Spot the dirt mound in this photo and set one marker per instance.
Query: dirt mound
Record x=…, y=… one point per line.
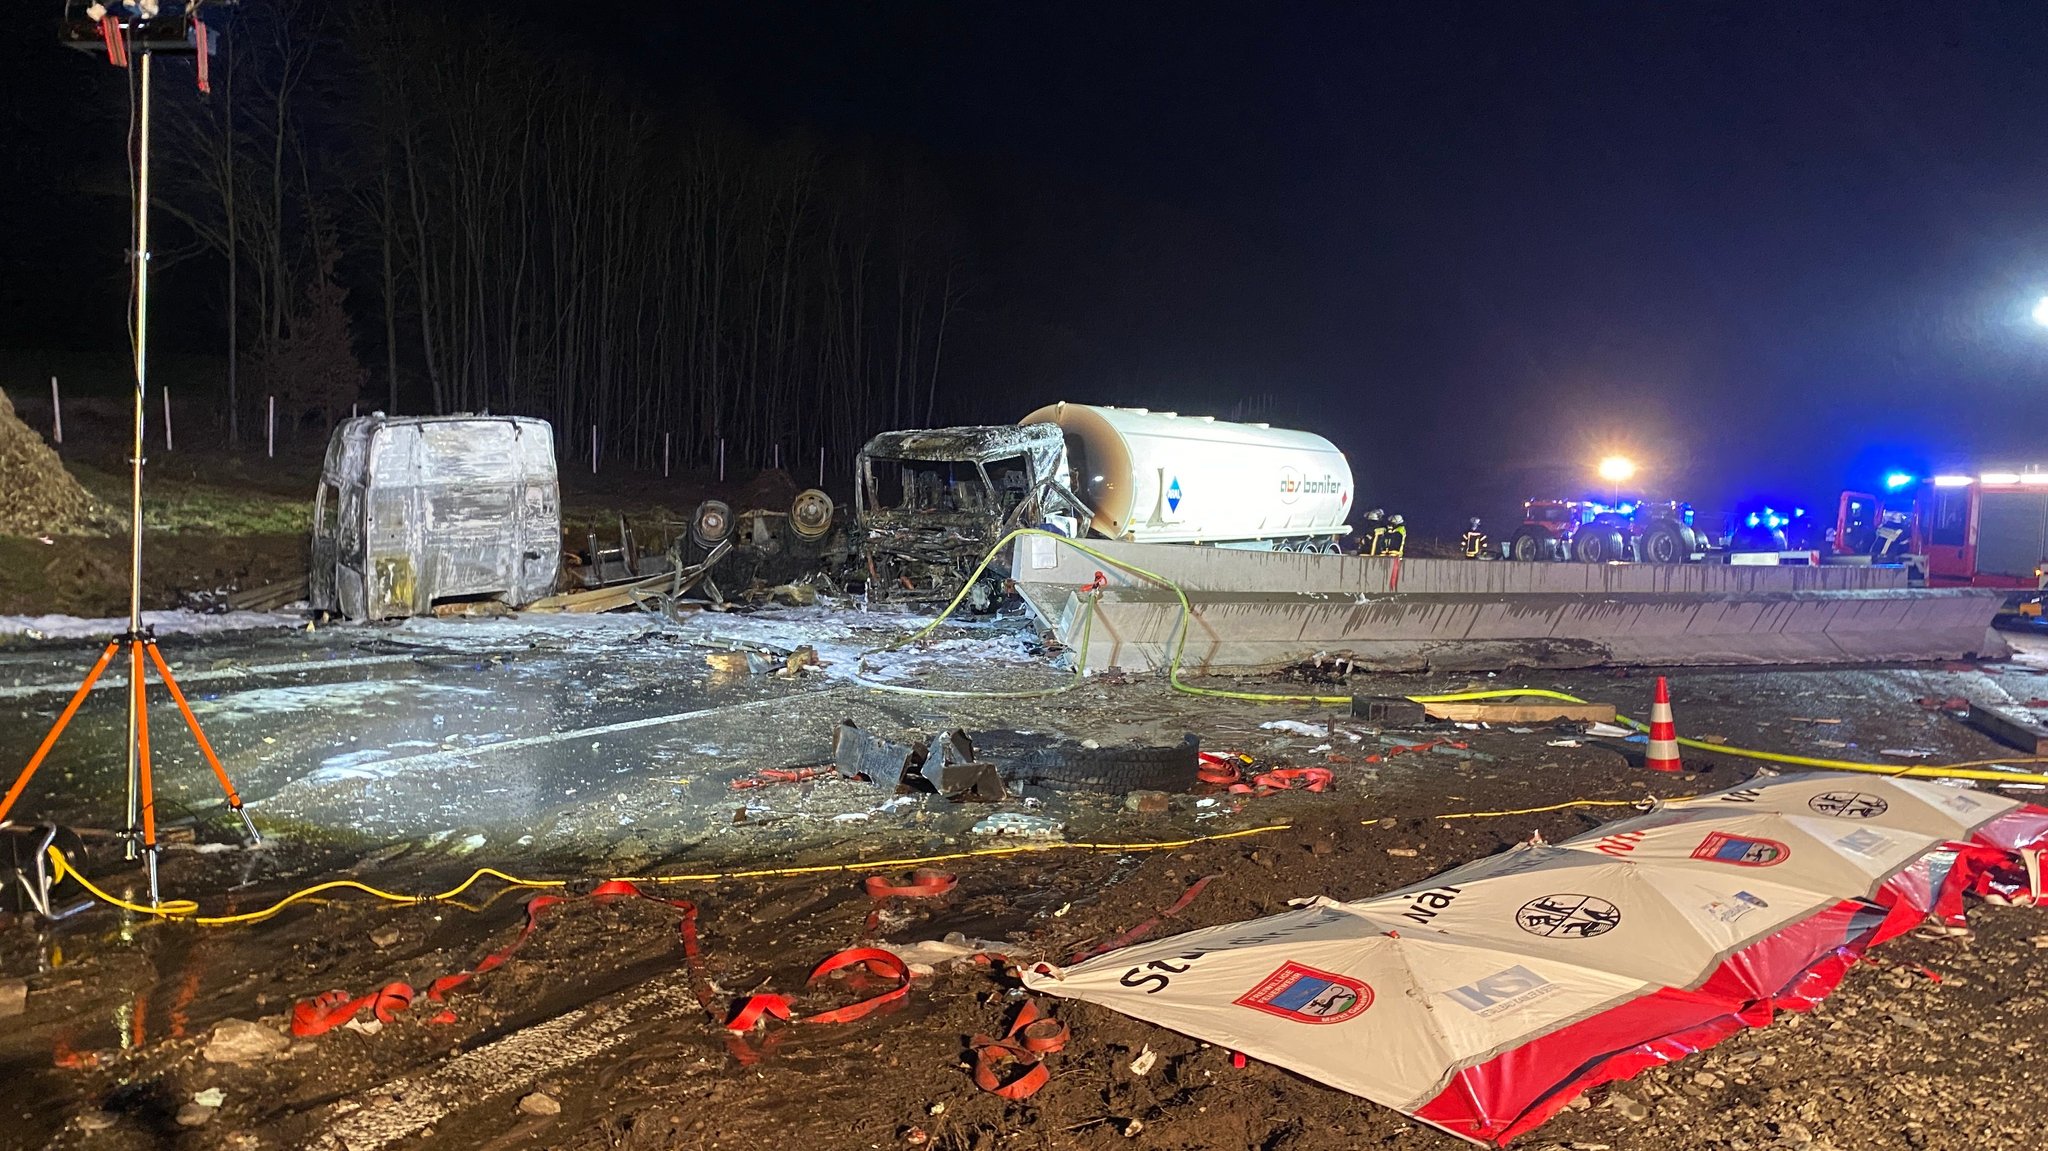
x=37, y=496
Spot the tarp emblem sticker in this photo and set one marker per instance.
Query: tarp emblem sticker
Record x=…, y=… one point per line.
x=1741, y=850
x=1568, y=916
x=1308, y=995
x=1849, y=804
x=1173, y=495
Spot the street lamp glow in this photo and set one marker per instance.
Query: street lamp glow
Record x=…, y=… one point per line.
x=2041, y=311
x=1617, y=469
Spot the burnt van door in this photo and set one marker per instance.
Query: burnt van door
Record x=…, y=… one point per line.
x=469, y=484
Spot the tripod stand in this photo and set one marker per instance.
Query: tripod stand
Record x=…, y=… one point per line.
x=139, y=644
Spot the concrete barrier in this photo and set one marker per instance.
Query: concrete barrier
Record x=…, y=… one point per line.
x=1261, y=609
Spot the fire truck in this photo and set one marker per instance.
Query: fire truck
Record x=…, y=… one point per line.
x=1983, y=530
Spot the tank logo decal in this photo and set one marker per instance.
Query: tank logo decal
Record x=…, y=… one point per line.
x=1173, y=495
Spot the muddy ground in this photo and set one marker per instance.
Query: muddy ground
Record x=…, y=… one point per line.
x=596, y=1011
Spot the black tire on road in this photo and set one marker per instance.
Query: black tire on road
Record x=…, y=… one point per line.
x=1110, y=770
x=1530, y=544
x=1666, y=543
x=1597, y=544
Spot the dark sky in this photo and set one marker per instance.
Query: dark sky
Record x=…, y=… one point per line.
x=1762, y=248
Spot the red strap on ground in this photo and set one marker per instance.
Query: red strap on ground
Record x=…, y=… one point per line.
x=329, y=1010
x=1145, y=928
x=1294, y=779
x=1030, y=1037
x=925, y=883
x=771, y=776
x=759, y=1007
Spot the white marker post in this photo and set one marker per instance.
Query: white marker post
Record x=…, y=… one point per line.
x=593, y=449
x=167, y=419
x=56, y=413
x=721, y=459
x=270, y=431
x=664, y=455
x=821, y=465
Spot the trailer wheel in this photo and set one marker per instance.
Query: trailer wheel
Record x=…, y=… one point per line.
x=1530, y=544
x=1665, y=543
x=1597, y=544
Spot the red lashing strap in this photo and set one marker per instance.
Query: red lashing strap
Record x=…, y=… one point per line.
x=770, y=776
x=199, y=40
x=1145, y=928
x=874, y=959
x=1030, y=1037
x=925, y=883
x=117, y=42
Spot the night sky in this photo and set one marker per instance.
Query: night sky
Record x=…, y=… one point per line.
x=1762, y=248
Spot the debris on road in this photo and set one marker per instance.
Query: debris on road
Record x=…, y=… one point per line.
x=241, y=1041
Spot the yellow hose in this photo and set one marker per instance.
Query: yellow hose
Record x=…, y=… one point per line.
x=186, y=910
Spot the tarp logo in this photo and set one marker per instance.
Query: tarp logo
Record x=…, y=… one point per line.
x=1741, y=850
x=1429, y=904
x=1864, y=842
x=1743, y=904
x=1308, y=995
x=1173, y=495
x=1568, y=916
x=1501, y=992
x=1849, y=804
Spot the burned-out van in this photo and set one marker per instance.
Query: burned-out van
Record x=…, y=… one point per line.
x=418, y=510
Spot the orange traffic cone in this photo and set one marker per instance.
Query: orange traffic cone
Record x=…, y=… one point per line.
x=1663, y=753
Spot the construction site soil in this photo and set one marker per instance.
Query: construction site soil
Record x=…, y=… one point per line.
x=590, y=1037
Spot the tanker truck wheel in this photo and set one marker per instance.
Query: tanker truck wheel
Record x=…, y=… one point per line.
x=1666, y=543
x=1597, y=544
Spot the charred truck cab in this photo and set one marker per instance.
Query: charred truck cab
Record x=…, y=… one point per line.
x=929, y=504
x=415, y=511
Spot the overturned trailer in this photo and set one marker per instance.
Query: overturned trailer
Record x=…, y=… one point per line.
x=415, y=511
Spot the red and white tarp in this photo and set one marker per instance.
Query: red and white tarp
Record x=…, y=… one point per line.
x=1483, y=999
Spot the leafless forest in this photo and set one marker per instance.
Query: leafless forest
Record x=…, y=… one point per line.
x=409, y=208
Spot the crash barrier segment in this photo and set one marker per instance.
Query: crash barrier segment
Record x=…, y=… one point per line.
x=1174, y=680
x=1260, y=609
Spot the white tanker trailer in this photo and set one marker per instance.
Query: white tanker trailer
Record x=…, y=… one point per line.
x=929, y=503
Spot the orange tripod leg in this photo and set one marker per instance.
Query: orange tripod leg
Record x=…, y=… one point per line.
x=57, y=729
x=205, y=747
x=148, y=786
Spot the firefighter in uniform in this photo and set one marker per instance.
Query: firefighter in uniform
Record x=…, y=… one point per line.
x=1474, y=542
x=1394, y=540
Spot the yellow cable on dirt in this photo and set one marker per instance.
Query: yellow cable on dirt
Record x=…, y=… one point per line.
x=186, y=910
x=1535, y=810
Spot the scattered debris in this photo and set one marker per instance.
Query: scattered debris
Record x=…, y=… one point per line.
x=1147, y=802
x=540, y=1103
x=2008, y=729
x=239, y=1041
x=1388, y=710
x=1146, y=1060
x=1508, y=711
x=1019, y=825
x=1296, y=727
x=13, y=997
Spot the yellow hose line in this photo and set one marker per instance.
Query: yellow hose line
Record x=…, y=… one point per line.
x=186, y=910
x=1535, y=810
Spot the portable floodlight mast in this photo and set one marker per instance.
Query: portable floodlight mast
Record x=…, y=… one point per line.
x=142, y=31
